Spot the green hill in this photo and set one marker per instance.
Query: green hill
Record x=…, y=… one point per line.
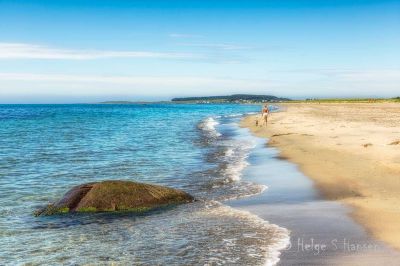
x=235, y=98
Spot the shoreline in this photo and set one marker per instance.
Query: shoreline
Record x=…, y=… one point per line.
x=350, y=151
x=321, y=231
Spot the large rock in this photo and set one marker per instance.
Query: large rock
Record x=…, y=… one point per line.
x=116, y=195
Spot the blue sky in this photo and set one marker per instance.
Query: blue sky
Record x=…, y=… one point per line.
x=84, y=51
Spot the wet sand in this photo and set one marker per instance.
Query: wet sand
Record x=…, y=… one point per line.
x=352, y=153
x=322, y=232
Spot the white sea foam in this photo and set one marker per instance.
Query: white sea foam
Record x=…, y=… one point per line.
x=234, y=115
x=229, y=152
x=236, y=157
x=234, y=171
x=244, y=190
x=278, y=237
x=269, y=239
x=208, y=125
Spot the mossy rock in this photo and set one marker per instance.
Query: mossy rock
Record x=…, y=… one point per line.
x=117, y=195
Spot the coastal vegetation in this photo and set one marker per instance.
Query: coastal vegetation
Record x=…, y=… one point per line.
x=235, y=98
x=349, y=100
x=258, y=99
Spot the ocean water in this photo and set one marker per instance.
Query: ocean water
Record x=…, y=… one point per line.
x=46, y=149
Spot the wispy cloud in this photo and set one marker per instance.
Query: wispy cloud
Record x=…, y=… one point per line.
x=162, y=81
x=388, y=75
x=348, y=75
x=20, y=84
x=180, y=35
x=219, y=46
x=362, y=77
x=346, y=83
x=33, y=51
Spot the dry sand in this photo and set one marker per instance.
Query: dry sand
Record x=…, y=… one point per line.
x=350, y=150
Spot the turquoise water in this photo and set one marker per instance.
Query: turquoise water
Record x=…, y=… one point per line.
x=46, y=149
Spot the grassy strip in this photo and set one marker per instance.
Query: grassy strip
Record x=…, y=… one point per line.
x=348, y=100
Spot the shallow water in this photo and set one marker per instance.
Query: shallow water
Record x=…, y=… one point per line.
x=322, y=232
x=46, y=149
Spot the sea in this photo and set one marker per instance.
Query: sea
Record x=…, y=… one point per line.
x=199, y=148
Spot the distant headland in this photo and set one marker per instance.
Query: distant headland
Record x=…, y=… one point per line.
x=255, y=99
x=235, y=98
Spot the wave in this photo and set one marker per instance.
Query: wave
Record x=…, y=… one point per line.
x=228, y=150
x=267, y=239
x=200, y=233
x=208, y=125
x=228, y=154
x=237, y=152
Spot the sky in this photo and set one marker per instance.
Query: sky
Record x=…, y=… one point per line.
x=89, y=51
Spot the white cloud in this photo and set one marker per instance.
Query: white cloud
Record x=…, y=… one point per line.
x=220, y=46
x=144, y=81
x=180, y=35
x=22, y=85
x=333, y=83
x=32, y=51
x=368, y=76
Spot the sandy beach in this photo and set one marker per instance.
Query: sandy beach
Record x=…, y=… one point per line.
x=350, y=151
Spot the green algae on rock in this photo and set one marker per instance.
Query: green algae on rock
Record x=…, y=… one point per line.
x=116, y=195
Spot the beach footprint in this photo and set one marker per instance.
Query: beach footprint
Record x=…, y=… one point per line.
x=366, y=145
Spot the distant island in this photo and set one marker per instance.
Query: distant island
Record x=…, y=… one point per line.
x=250, y=98
x=235, y=98
x=121, y=102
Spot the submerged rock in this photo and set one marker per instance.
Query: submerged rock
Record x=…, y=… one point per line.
x=110, y=196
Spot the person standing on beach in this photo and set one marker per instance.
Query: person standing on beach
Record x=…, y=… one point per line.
x=264, y=114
